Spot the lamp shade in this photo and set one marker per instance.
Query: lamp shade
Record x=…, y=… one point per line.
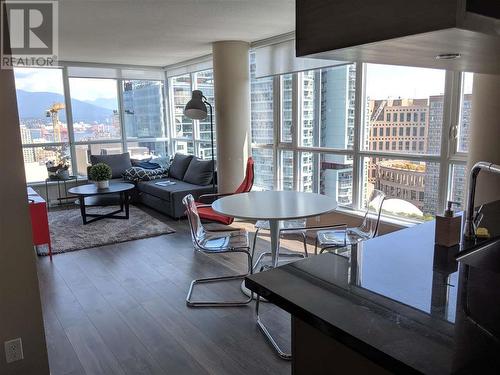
x=196, y=109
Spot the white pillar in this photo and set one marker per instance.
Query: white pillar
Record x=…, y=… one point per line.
x=484, y=143
x=232, y=106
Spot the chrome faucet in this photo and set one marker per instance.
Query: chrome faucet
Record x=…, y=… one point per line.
x=469, y=226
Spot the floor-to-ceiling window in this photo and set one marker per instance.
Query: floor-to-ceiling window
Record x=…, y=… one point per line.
x=43, y=120
x=67, y=114
x=192, y=136
x=403, y=137
x=346, y=130
x=143, y=115
x=97, y=127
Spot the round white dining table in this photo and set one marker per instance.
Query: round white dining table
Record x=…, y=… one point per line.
x=274, y=206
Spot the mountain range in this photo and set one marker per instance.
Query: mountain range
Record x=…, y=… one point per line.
x=33, y=105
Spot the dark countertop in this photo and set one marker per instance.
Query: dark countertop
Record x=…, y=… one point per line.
x=402, y=301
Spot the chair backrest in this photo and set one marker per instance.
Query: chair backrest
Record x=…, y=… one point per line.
x=198, y=232
x=371, y=222
x=247, y=183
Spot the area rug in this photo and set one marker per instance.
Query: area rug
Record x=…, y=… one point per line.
x=68, y=233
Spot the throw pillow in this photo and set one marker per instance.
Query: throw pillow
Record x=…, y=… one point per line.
x=179, y=166
x=118, y=163
x=163, y=161
x=199, y=172
x=140, y=174
x=147, y=165
x=138, y=161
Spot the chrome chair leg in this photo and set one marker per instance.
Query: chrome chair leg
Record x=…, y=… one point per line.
x=255, y=241
x=323, y=249
x=259, y=259
x=282, y=354
x=331, y=249
x=191, y=303
x=304, y=239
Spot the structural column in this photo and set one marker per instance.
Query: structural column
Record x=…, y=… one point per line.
x=232, y=106
x=485, y=134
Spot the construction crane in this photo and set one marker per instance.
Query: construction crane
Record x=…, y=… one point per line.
x=53, y=113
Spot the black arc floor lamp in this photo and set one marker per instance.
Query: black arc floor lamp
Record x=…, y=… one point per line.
x=196, y=109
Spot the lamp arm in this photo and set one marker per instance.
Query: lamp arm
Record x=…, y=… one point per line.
x=211, y=141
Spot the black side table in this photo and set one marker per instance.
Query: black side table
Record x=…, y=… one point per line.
x=60, y=197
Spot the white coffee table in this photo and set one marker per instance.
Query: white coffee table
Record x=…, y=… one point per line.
x=274, y=206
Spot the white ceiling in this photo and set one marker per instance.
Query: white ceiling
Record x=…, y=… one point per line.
x=163, y=32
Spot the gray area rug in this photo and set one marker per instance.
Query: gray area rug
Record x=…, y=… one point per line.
x=68, y=233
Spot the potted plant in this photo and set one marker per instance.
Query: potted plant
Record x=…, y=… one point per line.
x=100, y=174
x=58, y=168
x=52, y=169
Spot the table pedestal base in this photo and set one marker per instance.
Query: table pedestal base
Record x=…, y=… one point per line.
x=274, y=229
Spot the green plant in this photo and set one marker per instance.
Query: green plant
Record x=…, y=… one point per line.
x=100, y=172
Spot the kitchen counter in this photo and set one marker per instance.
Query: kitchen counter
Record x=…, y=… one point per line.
x=397, y=301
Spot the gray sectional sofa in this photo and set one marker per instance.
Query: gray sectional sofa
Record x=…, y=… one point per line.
x=188, y=174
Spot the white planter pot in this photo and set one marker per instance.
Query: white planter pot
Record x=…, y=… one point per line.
x=102, y=184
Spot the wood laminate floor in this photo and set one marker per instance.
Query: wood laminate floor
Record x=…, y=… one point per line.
x=120, y=309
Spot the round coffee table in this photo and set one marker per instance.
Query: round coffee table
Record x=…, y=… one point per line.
x=84, y=191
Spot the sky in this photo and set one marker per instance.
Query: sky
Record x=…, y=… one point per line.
x=387, y=81
x=50, y=80
x=391, y=81
x=382, y=82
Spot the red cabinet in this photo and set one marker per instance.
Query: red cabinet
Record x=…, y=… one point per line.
x=39, y=220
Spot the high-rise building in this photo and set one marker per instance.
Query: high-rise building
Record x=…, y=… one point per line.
x=205, y=83
x=262, y=125
x=28, y=153
x=141, y=101
x=402, y=180
x=400, y=126
x=327, y=116
x=459, y=176
x=338, y=86
x=436, y=104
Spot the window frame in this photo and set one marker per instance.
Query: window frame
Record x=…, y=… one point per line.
x=448, y=156
x=122, y=140
x=195, y=137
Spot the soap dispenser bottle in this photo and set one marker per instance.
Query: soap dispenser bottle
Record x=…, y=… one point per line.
x=448, y=227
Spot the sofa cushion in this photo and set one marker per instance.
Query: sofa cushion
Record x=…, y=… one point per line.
x=141, y=174
x=164, y=192
x=179, y=166
x=199, y=172
x=118, y=163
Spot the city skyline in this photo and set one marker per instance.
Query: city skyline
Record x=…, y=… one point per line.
x=399, y=125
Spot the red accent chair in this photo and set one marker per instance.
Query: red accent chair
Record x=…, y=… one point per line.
x=204, y=208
